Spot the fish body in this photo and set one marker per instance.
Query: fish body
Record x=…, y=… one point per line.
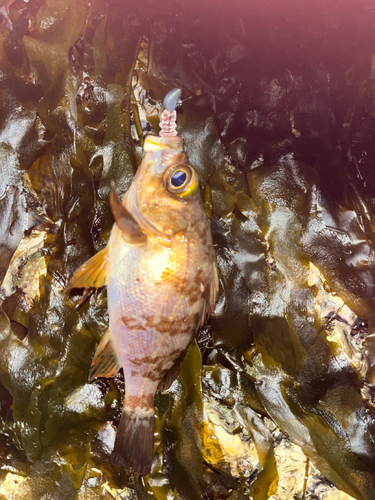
x=159, y=267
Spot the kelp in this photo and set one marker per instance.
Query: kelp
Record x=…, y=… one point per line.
x=277, y=119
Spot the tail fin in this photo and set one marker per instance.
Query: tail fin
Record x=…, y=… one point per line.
x=134, y=445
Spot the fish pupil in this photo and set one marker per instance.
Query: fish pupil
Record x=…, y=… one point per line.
x=178, y=178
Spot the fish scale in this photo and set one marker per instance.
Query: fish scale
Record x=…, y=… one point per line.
x=160, y=270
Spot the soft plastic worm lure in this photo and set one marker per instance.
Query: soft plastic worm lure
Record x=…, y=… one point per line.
x=169, y=115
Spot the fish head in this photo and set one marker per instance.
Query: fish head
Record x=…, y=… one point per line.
x=164, y=196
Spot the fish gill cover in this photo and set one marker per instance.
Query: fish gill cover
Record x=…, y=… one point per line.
x=276, y=397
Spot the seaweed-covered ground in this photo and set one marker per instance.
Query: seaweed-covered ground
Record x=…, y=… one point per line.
x=275, y=398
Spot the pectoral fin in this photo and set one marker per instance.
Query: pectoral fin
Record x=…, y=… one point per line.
x=93, y=273
x=105, y=362
x=130, y=229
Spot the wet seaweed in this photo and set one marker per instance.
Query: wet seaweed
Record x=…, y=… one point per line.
x=278, y=121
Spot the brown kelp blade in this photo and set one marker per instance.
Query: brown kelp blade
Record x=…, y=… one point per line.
x=105, y=362
x=130, y=229
x=93, y=273
x=134, y=445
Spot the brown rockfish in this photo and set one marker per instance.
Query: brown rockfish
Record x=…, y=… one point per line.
x=159, y=267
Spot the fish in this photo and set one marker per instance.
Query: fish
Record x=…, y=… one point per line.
x=160, y=270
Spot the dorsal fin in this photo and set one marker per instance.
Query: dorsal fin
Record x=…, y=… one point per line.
x=172, y=373
x=105, y=362
x=130, y=229
x=93, y=273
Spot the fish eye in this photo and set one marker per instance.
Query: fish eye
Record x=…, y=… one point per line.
x=182, y=180
x=178, y=178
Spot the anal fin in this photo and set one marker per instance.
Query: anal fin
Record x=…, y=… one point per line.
x=105, y=362
x=93, y=273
